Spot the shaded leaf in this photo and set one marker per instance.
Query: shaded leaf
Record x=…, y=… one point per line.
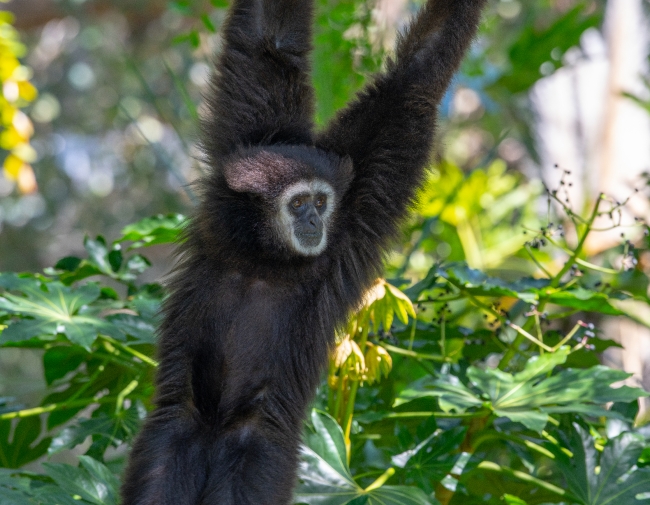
x=325, y=478
x=92, y=480
x=21, y=448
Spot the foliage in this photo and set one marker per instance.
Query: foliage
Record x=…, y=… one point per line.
x=15, y=127
x=416, y=413
x=470, y=375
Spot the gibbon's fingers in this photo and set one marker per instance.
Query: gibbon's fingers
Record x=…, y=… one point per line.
x=261, y=93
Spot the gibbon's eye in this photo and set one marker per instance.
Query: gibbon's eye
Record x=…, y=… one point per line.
x=297, y=203
x=320, y=200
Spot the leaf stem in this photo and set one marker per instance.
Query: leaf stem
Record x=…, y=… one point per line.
x=19, y=414
x=525, y=477
x=130, y=350
x=381, y=480
x=555, y=282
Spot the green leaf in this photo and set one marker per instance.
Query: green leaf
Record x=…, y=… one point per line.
x=529, y=290
x=477, y=283
x=161, y=229
x=612, y=478
x=431, y=460
x=59, y=360
x=105, y=430
x=12, y=282
x=586, y=300
x=55, y=309
x=529, y=396
x=453, y=395
x=12, y=497
x=325, y=478
x=533, y=46
x=92, y=480
x=207, y=22
x=21, y=448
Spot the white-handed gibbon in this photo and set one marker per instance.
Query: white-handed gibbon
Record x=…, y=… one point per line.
x=290, y=231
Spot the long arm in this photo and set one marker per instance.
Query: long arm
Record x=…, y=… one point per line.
x=261, y=93
x=388, y=130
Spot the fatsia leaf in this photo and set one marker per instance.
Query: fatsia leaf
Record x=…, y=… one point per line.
x=452, y=394
x=92, y=480
x=325, y=478
x=431, y=460
x=608, y=479
x=105, y=430
x=529, y=290
x=529, y=396
x=22, y=447
x=13, y=497
x=51, y=309
x=28, y=488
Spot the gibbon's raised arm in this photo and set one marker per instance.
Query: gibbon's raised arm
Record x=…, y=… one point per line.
x=261, y=93
x=388, y=130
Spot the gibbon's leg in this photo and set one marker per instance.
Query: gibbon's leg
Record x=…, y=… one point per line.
x=168, y=462
x=388, y=130
x=250, y=467
x=261, y=93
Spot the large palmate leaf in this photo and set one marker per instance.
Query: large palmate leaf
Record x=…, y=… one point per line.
x=105, y=430
x=51, y=309
x=92, y=481
x=608, y=479
x=530, y=396
x=529, y=290
x=325, y=478
x=21, y=448
x=431, y=460
x=26, y=488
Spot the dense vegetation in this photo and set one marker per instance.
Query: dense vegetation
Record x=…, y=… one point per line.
x=471, y=375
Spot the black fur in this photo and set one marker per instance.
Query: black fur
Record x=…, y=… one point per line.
x=249, y=323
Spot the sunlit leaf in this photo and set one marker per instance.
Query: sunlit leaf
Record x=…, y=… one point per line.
x=161, y=229
x=53, y=309
x=531, y=395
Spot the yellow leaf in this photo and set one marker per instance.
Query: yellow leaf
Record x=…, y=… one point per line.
x=349, y=359
x=342, y=352
x=10, y=138
x=12, y=166
x=376, y=292
x=378, y=363
x=27, y=91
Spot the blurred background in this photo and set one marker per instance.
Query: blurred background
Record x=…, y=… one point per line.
x=100, y=103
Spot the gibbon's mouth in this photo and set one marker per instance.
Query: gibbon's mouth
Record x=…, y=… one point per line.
x=309, y=239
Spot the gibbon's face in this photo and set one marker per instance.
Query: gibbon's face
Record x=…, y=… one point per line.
x=303, y=216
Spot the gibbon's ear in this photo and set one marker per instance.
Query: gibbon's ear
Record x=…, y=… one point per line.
x=264, y=173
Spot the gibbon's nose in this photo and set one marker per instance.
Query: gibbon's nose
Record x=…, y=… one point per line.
x=313, y=223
